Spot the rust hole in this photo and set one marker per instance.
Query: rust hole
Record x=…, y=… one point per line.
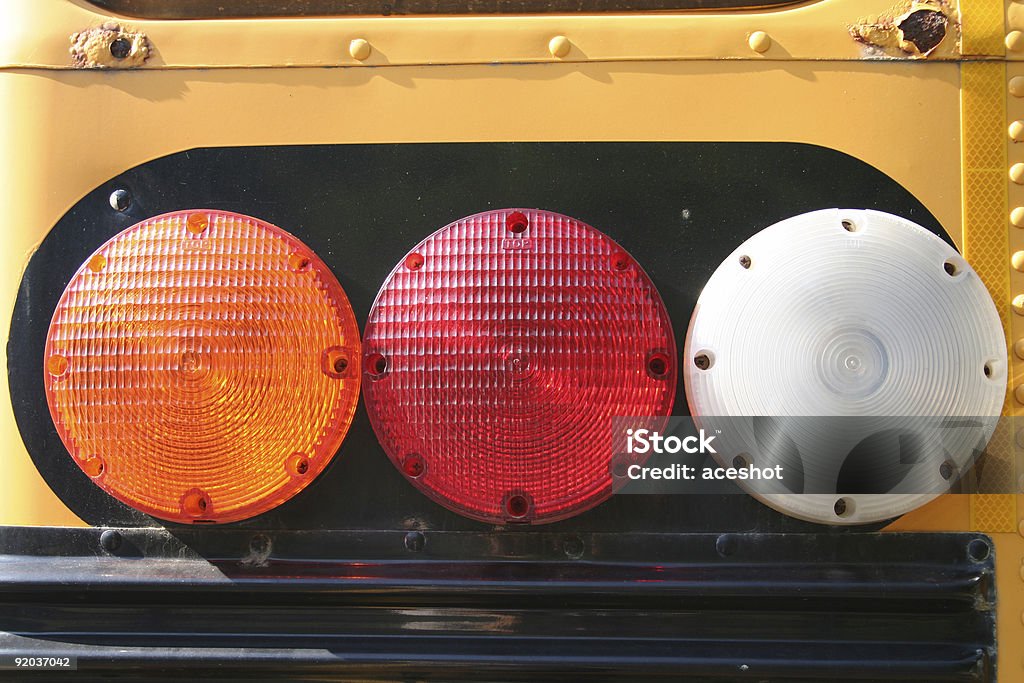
x=925, y=29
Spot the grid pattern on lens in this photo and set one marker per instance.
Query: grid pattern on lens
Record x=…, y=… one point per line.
x=496, y=355
x=202, y=366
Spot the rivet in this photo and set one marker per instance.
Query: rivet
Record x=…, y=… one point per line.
x=573, y=547
x=1014, y=41
x=1016, y=131
x=725, y=545
x=414, y=541
x=359, y=49
x=759, y=41
x=120, y=200
x=559, y=46
x=1018, y=348
x=1018, y=393
x=1017, y=173
x=1017, y=260
x=110, y=540
x=1020, y=529
x=1018, y=304
x=259, y=544
x=1017, y=217
x=1017, y=86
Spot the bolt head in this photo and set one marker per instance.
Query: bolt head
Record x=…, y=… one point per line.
x=110, y=540
x=415, y=541
x=120, y=200
x=726, y=545
x=573, y=547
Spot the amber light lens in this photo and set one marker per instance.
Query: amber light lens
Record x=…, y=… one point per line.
x=497, y=354
x=203, y=366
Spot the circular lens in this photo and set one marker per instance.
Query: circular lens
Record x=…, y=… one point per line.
x=186, y=373
x=844, y=352
x=494, y=368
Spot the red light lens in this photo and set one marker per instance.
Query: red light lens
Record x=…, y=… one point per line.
x=203, y=366
x=495, y=365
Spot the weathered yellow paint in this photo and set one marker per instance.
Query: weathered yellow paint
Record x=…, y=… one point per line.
x=36, y=34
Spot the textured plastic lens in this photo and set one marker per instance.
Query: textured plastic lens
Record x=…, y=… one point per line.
x=203, y=366
x=497, y=354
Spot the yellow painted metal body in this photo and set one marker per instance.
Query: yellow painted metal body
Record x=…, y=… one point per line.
x=938, y=125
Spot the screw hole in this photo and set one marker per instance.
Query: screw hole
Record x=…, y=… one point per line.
x=413, y=466
x=620, y=466
x=745, y=261
x=93, y=466
x=195, y=503
x=197, y=223
x=843, y=507
x=620, y=261
x=517, y=222
x=335, y=362
x=947, y=469
x=741, y=461
x=658, y=365
x=298, y=263
x=376, y=365
x=849, y=226
x=414, y=261
x=97, y=263
x=297, y=465
x=57, y=365
x=517, y=506
x=704, y=360
x=952, y=268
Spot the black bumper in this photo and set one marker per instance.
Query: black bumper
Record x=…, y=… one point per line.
x=298, y=606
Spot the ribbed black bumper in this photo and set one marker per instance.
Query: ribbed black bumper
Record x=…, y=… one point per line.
x=745, y=607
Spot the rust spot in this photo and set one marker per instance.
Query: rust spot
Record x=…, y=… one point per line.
x=922, y=30
x=109, y=47
x=914, y=28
